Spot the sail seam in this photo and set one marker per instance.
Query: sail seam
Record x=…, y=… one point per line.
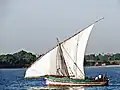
x=77, y=52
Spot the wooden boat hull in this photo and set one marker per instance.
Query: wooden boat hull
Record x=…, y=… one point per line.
x=89, y=83
x=55, y=83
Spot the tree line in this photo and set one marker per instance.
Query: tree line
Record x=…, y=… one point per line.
x=107, y=59
x=17, y=60
x=23, y=59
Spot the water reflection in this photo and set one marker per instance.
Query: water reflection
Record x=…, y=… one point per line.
x=56, y=88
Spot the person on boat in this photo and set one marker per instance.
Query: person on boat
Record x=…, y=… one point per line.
x=100, y=76
x=96, y=78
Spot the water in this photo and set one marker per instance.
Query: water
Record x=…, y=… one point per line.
x=13, y=79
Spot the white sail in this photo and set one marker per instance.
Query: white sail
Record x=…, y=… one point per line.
x=73, y=50
x=83, y=39
x=46, y=65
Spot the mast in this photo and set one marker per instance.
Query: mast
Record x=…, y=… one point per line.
x=62, y=67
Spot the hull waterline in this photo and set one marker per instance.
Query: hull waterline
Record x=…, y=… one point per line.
x=91, y=83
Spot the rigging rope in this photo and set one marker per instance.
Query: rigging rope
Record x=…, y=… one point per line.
x=73, y=60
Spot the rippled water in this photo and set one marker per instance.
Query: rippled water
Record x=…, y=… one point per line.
x=13, y=79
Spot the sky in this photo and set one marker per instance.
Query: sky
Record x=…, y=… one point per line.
x=33, y=25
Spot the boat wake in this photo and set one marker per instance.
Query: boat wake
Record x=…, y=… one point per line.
x=56, y=88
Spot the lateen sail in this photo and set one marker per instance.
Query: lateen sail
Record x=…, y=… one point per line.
x=72, y=50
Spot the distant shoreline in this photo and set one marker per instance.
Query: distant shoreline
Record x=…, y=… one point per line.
x=103, y=66
x=23, y=59
x=85, y=67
